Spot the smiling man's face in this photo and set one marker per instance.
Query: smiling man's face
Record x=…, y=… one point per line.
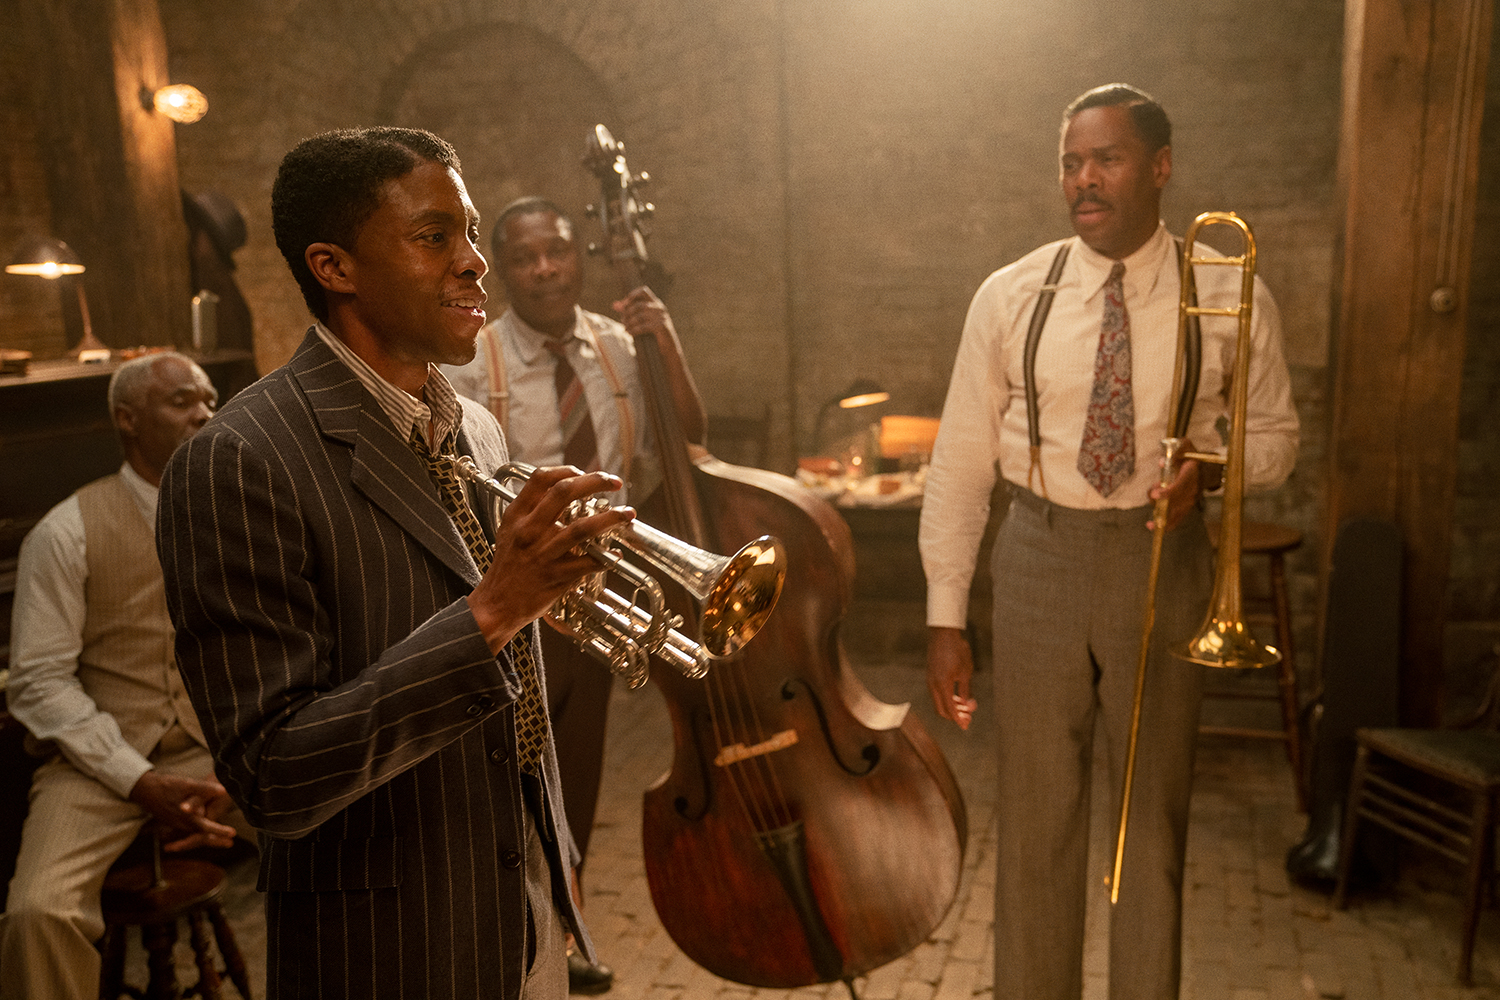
x=417, y=269
x=1111, y=181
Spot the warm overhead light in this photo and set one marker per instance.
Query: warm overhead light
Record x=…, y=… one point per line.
x=181, y=102
x=51, y=259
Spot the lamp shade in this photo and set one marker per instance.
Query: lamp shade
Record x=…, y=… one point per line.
x=863, y=392
x=44, y=257
x=49, y=258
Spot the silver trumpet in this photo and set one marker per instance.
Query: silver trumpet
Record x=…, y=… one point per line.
x=735, y=594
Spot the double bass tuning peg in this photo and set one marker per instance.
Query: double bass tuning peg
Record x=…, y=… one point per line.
x=591, y=211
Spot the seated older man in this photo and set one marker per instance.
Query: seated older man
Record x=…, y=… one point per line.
x=94, y=681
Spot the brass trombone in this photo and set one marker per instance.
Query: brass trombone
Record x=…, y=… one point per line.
x=1224, y=640
x=735, y=594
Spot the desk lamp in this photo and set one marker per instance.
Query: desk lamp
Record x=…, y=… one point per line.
x=861, y=392
x=51, y=259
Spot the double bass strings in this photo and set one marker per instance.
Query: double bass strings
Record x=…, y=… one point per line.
x=735, y=719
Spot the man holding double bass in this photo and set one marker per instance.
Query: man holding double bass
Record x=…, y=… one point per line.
x=564, y=385
x=1063, y=378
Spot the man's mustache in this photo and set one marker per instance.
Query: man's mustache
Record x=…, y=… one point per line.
x=1085, y=199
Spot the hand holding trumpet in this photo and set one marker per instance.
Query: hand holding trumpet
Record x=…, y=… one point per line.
x=538, y=559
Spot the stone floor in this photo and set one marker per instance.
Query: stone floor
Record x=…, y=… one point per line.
x=1249, y=934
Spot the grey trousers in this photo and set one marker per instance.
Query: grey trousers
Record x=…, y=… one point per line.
x=578, y=690
x=1070, y=595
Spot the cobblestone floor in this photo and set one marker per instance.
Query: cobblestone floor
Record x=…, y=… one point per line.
x=1249, y=934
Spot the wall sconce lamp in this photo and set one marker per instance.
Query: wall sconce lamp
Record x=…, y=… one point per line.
x=51, y=259
x=181, y=102
x=861, y=392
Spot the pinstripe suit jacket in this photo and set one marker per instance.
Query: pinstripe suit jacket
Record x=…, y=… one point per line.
x=354, y=709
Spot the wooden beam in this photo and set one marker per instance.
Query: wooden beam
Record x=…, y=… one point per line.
x=112, y=163
x=1414, y=75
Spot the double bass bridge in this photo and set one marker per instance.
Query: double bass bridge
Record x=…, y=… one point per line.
x=736, y=752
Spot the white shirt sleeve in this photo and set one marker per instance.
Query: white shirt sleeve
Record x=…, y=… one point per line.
x=43, y=691
x=956, y=498
x=1272, y=430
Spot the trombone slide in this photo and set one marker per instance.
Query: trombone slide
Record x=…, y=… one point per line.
x=1224, y=640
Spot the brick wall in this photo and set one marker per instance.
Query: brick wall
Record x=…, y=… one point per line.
x=868, y=162
x=31, y=316
x=833, y=179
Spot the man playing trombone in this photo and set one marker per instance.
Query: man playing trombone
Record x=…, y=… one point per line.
x=1063, y=378
x=355, y=630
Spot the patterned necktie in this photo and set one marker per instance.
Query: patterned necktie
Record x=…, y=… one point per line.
x=1106, y=457
x=531, y=718
x=580, y=447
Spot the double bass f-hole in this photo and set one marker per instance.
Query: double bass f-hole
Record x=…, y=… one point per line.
x=806, y=832
x=869, y=753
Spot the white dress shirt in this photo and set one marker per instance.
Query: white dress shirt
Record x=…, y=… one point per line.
x=43, y=691
x=984, y=418
x=533, y=430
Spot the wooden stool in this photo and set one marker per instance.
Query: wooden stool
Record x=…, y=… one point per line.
x=1274, y=541
x=153, y=896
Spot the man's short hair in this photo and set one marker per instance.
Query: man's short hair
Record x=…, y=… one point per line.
x=1150, y=118
x=132, y=380
x=529, y=205
x=329, y=185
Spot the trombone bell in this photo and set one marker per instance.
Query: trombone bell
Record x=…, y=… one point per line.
x=1228, y=644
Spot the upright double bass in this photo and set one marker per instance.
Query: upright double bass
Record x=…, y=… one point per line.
x=806, y=832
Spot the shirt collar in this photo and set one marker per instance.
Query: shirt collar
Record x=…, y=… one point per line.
x=1143, y=269
x=141, y=491
x=439, y=407
x=531, y=342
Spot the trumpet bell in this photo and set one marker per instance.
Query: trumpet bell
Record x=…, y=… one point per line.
x=742, y=597
x=1226, y=644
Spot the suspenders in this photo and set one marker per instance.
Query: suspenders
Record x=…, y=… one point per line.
x=1192, y=366
x=500, y=387
x=1033, y=336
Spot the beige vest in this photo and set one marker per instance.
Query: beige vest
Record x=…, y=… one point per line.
x=127, y=664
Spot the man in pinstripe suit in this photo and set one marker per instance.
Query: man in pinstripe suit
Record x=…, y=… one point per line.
x=368, y=690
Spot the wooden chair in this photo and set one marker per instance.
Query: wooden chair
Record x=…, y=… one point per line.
x=1273, y=541
x=154, y=895
x=1436, y=788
